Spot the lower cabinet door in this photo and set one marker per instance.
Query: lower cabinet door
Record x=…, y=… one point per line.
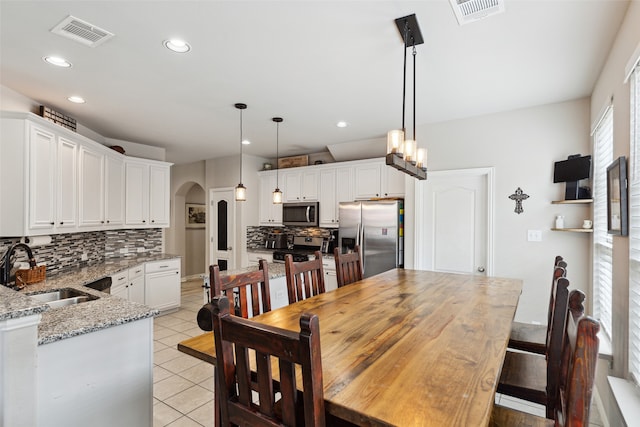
x=162, y=290
x=136, y=290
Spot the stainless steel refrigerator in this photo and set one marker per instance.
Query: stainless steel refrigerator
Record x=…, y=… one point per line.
x=378, y=228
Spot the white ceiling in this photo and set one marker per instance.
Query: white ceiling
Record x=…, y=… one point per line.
x=311, y=62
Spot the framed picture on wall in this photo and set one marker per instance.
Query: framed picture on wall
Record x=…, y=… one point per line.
x=617, y=222
x=195, y=215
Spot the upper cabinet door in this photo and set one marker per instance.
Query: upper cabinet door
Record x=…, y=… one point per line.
x=310, y=181
x=67, y=183
x=114, y=191
x=367, y=181
x=292, y=186
x=42, y=179
x=91, y=188
x=158, y=195
x=136, y=193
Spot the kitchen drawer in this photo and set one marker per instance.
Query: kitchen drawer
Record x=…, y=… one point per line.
x=158, y=266
x=135, y=272
x=119, y=280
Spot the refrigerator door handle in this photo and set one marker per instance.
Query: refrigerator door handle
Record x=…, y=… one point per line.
x=362, y=248
x=358, y=235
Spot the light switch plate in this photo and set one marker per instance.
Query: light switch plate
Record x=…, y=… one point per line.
x=534, y=235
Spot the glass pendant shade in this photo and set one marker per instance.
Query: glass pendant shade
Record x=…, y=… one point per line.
x=410, y=151
x=277, y=196
x=241, y=193
x=421, y=158
x=395, y=141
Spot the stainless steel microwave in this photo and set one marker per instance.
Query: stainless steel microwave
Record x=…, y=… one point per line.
x=301, y=214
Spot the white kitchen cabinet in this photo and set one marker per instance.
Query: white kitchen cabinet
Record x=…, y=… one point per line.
x=330, y=278
x=162, y=284
x=91, y=206
x=146, y=193
x=301, y=185
x=269, y=213
x=375, y=179
x=114, y=190
x=136, y=285
x=120, y=283
x=60, y=182
x=67, y=185
x=336, y=185
x=253, y=258
x=159, y=195
x=53, y=182
x=136, y=193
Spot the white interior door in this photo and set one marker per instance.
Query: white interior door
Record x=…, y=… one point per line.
x=454, y=222
x=222, y=216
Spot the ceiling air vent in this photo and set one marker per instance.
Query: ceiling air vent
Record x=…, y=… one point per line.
x=473, y=10
x=81, y=31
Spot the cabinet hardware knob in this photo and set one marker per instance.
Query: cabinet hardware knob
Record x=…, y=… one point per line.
x=52, y=223
x=102, y=222
x=153, y=220
x=61, y=222
x=144, y=221
x=107, y=221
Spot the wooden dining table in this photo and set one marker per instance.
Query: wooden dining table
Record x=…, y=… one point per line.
x=405, y=347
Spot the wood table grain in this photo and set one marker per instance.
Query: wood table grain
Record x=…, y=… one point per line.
x=406, y=347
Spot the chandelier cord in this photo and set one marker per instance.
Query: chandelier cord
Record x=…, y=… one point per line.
x=277, y=151
x=414, y=91
x=404, y=71
x=240, y=146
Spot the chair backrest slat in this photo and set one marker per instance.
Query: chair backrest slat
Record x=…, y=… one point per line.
x=254, y=284
x=304, y=279
x=245, y=339
x=348, y=266
x=555, y=342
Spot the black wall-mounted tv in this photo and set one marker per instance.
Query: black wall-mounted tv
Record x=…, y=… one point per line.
x=574, y=168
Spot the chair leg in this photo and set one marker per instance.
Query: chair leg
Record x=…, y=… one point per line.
x=216, y=399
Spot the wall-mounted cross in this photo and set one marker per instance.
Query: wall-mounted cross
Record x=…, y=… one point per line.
x=519, y=196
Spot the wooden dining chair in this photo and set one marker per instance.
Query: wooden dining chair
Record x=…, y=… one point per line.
x=535, y=377
x=304, y=279
x=348, y=266
x=533, y=338
x=243, y=345
x=252, y=283
x=577, y=376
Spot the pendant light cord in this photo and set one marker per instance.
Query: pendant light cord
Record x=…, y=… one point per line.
x=240, y=146
x=277, y=151
x=414, y=91
x=404, y=70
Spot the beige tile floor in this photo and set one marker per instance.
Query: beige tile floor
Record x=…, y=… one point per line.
x=183, y=385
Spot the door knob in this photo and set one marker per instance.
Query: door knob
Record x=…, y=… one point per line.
x=481, y=269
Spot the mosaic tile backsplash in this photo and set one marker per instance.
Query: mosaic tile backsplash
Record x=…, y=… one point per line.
x=65, y=250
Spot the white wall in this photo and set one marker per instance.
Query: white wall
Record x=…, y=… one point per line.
x=523, y=145
x=183, y=178
x=195, y=238
x=610, y=84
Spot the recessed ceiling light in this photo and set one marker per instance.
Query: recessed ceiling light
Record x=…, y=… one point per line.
x=177, y=45
x=246, y=142
x=57, y=61
x=342, y=124
x=76, y=99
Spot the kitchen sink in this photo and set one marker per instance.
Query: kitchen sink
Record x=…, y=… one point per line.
x=63, y=297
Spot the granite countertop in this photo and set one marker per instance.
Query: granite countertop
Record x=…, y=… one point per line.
x=276, y=270
x=65, y=322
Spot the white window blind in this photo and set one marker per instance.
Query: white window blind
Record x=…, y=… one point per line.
x=634, y=230
x=602, y=250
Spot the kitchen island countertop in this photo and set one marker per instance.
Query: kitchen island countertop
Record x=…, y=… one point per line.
x=65, y=322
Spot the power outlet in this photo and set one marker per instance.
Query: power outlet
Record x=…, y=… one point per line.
x=534, y=235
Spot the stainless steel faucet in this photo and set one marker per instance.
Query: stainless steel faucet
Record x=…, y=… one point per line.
x=5, y=264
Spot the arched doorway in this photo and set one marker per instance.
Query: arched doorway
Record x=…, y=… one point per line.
x=189, y=239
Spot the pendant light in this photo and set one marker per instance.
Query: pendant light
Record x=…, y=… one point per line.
x=277, y=194
x=403, y=154
x=241, y=190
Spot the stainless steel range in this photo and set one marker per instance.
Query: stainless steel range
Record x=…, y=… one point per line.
x=303, y=249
